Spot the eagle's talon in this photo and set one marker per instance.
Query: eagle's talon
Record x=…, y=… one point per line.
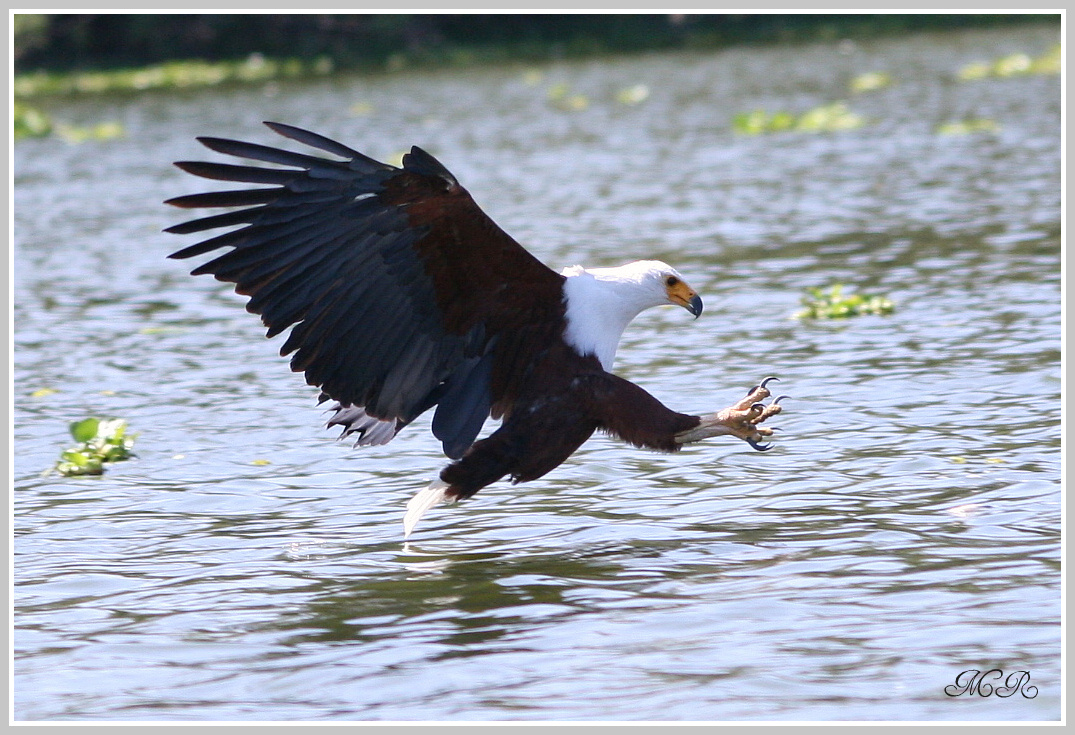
x=742, y=420
x=761, y=386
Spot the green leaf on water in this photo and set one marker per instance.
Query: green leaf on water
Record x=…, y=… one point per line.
x=968, y=127
x=74, y=462
x=100, y=131
x=834, y=304
x=179, y=74
x=1014, y=65
x=30, y=122
x=823, y=119
x=101, y=441
x=633, y=95
x=870, y=81
x=829, y=118
x=84, y=430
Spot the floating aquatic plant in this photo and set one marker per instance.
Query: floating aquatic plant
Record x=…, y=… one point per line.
x=633, y=95
x=870, y=81
x=30, y=122
x=561, y=97
x=100, y=442
x=828, y=118
x=169, y=75
x=823, y=119
x=1013, y=65
x=361, y=109
x=100, y=131
x=968, y=127
x=162, y=330
x=834, y=304
x=40, y=127
x=757, y=122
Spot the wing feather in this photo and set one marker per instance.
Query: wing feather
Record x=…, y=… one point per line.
x=399, y=290
x=241, y=198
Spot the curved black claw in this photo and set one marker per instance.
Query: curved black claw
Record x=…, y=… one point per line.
x=762, y=384
x=777, y=400
x=759, y=447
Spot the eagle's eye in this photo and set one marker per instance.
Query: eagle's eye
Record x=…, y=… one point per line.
x=671, y=281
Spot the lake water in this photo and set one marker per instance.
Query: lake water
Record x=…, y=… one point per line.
x=905, y=528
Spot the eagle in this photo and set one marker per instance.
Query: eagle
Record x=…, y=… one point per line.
x=403, y=296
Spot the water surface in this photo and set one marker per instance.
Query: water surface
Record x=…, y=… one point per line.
x=905, y=528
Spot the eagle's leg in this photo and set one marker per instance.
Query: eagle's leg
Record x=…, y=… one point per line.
x=742, y=419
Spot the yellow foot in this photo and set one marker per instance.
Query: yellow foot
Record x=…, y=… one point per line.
x=743, y=417
x=741, y=420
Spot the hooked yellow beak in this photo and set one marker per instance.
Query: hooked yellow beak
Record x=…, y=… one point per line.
x=681, y=294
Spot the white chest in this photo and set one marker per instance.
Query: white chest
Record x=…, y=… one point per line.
x=598, y=312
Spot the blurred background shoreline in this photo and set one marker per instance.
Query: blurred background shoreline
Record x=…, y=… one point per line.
x=372, y=42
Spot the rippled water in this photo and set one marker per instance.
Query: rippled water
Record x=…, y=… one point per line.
x=905, y=529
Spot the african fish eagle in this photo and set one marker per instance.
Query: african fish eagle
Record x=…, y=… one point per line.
x=404, y=295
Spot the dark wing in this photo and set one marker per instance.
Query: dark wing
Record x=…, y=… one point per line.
x=402, y=292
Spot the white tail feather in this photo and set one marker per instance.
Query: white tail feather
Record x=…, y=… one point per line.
x=434, y=494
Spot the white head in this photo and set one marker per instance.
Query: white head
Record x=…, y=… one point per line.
x=601, y=302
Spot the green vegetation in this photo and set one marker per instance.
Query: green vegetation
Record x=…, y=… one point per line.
x=870, y=81
x=636, y=94
x=66, y=42
x=70, y=54
x=30, y=122
x=1013, y=65
x=824, y=119
x=833, y=304
x=968, y=127
x=170, y=75
x=100, y=131
x=828, y=118
x=561, y=97
x=100, y=441
x=759, y=121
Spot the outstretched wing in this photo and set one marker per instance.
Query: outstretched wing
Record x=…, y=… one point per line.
x=402, y=293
